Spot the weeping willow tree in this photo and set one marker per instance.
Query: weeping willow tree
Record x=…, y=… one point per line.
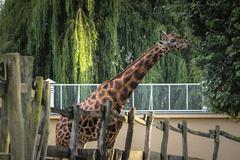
x=90, y=41
x=74, y=46
x=84, y=46
x=61, y=36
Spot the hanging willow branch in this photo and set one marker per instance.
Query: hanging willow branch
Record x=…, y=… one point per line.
x=84, y=46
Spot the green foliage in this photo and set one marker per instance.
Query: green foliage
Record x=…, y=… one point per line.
x=217, y=22
x=73, y=37
x=84, y=46
x=14, y=37
x=91, y=41
x=37, y=37
x=107, y=57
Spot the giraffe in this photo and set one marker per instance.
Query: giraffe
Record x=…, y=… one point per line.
x=116, y=90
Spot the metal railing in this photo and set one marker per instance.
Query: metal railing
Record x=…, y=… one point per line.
x=176, y=97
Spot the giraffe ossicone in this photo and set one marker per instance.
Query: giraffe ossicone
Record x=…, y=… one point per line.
x=117, y=91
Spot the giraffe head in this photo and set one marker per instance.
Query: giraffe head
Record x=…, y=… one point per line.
x=173, y=41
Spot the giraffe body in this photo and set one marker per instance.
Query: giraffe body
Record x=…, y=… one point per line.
x=117, y=90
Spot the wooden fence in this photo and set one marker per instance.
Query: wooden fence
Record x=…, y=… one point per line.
x=74, y=112
x=24, y=111
x=130, y=118
x=182, y=129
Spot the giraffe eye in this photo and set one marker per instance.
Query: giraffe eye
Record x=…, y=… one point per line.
x=172, y=40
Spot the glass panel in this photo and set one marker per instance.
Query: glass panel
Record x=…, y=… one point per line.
x=86, y=91
x=178, y=97
x=142, y=97
x=69, y=95
x=57, y=97
x=128, y=104
x=160, y=97
x=194, y=97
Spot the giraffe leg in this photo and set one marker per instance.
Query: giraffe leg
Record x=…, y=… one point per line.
x=111, y=140
x=109, y=144
x=113, y=130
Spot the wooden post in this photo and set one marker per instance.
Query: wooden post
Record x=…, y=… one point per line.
x=216, y=142
x=128, y=143
x=3, y=75
x=106, y=110
x=37, y=108
x=36, y=115
x=4, y=128
x=15, y=117
x=148, y=136
x=26, y=63
x=46, y=111
x=74, y=133
x=43, y=130
x=184, y=140
x=164, y=144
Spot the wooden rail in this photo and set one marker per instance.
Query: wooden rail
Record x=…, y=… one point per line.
x=183, y=129
x=68, y=112
x=229, y=136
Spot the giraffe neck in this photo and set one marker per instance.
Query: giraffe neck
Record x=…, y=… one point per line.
x=128, y=80
x=119, y=89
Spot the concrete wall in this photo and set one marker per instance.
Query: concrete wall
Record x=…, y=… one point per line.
x=199, y=147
